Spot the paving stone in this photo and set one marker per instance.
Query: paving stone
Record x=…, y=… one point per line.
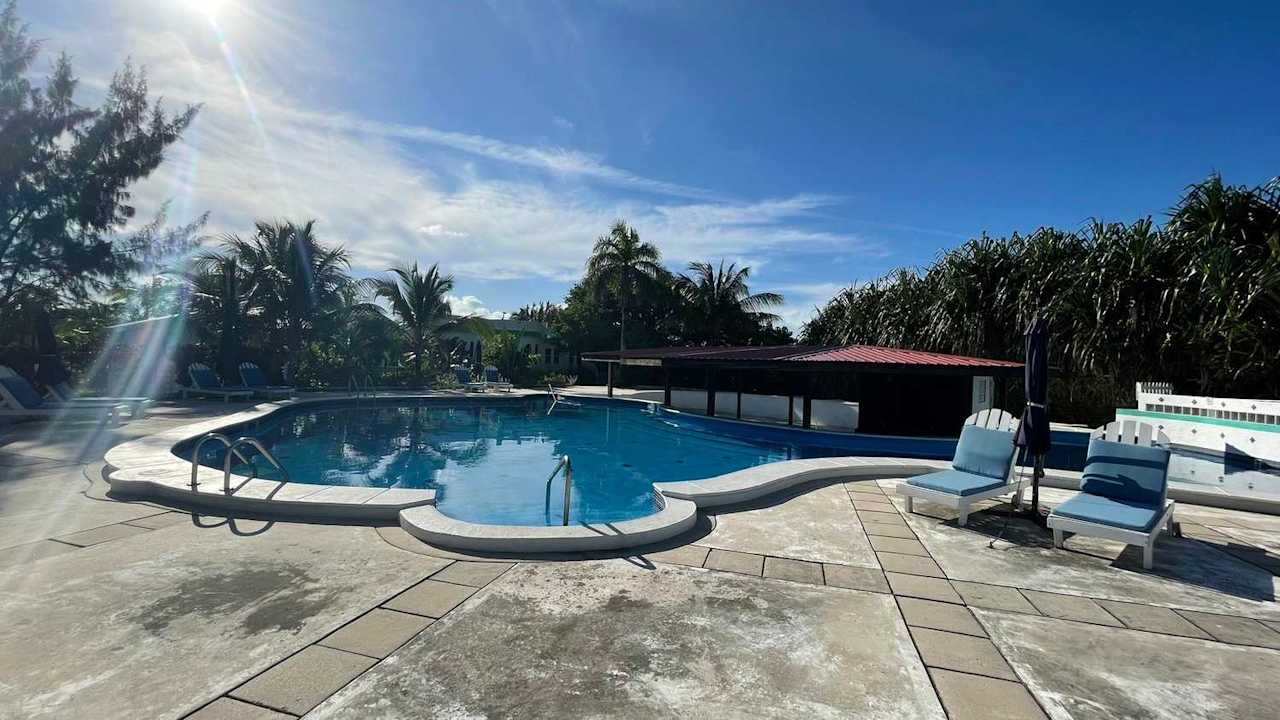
x=939, y=616
x=974, y=697
x=430, y=598
x=881, y=517
x=30, y=552
x=963, y=653
x=910, y=564
x=377, y=632
x=855, y=578
x=738, y=562
x=898, y=545
x=225, y=708
x=1234, y=630
x=475, y=574
x=107, y=533
x=995, y=597
x=304, y=680
x=1153, y=619
x=1200, y=532
x=1272, y=624
x=691, y=555
x=887, y=530
x=795, y=570
x=871, y=505
x=1070, y=607
x=155, y=522
x=922, y=587
x=865, y=488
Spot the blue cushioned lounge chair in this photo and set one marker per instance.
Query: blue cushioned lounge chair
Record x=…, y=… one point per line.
x=1122, y=490
x=205, y=381
x=256, y=380
x=493, y=380
x=464, y=379
x=18, y=398
x=981, y=469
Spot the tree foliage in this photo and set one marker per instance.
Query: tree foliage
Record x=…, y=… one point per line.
x=1196, y=302
x=417, y=300
x=65, y=174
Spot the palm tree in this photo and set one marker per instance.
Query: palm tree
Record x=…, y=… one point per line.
x=624, y=267
x=295, y=279
x=217, y=291
x=417, y=299
x=720, y=306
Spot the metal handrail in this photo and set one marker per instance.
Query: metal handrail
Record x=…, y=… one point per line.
x=195, y=455
x=567, y=464
x=246, y=440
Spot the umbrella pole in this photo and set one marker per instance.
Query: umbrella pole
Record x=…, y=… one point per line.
x=1037, y=472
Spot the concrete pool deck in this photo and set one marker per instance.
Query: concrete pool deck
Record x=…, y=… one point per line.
x=822, y=600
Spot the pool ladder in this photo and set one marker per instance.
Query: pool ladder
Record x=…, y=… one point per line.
x=567, y=464
x=233, y=449
x=358, y=390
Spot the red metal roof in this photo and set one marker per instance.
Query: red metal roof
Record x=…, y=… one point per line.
x=855, y=354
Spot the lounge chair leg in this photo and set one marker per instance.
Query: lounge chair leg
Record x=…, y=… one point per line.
x=1017, y=499
x=910, y=504
x=1057, y=538
x=1148, y=554
x=964, y=516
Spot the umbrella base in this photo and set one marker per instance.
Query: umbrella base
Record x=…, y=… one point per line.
x=1035, y=515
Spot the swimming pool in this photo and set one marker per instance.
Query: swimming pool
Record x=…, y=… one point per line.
x=489, y=461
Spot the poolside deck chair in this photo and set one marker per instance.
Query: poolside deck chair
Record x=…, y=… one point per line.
x=464, y=379
x=207, y=383
x=63, y=392
x=18, y=398
x=1123, y=489
x=252, y=377
x=493, y=380
x=981, y=469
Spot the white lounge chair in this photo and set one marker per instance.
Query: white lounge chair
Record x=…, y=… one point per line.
x=63, y=392
x=20, y=399
x=493, y=380
x=253, y=378
x=558, y=400
x=981, y=469
x=207, y=383
x=1123, y=489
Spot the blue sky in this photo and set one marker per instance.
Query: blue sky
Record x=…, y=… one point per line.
x=821, y=143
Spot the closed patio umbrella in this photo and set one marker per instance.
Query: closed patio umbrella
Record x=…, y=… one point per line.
x=1033, y=429
x=50, y=370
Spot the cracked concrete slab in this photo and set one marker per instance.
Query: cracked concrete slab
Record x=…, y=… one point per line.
x=1187, y=574
x=613, y=639
x=1083, y=672
x=157, y=624
x=808, y=522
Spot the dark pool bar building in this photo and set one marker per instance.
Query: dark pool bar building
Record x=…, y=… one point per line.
x=862, y=388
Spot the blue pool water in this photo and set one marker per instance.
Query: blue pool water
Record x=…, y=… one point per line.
x=489, y=460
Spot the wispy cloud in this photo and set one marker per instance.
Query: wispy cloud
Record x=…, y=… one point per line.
x=482, y=207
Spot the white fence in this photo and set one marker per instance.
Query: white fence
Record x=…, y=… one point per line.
x=1226, y=425
x=834, y=415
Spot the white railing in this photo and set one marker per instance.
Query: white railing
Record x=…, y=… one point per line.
x=1159, y=397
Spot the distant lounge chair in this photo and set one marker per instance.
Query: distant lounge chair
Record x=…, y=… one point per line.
x=493, y=380
x=20, y=399
x=464, y=379
x=253, y=378
x=207, y=383
x=63, y=392
x=1122, y=491
x=981, y=469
